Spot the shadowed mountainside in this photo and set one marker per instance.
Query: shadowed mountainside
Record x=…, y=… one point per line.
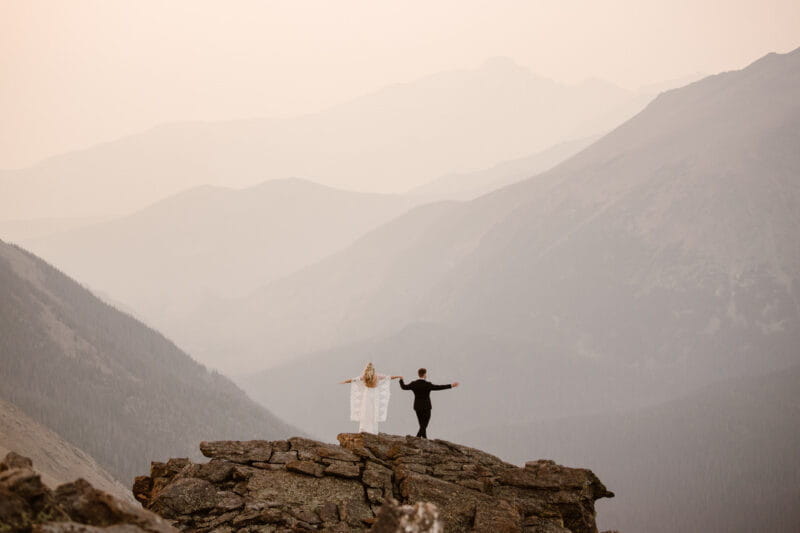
x=726, y=456
x=57, y=460
x=104, y=381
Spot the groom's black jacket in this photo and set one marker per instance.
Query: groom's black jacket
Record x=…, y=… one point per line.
x=422, y=392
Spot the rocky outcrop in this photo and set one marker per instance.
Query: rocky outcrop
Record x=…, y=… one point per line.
x=27, y=504
x=368, y=481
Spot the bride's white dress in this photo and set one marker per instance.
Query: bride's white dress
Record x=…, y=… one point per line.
x=368, y=405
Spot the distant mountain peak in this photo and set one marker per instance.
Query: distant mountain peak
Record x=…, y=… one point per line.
x=501, y=63
x=387, y=140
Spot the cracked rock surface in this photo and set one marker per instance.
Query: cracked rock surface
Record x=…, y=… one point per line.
x=379, y=482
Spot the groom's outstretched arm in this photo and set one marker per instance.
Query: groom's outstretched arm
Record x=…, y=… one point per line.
x=403, y=385
x=442, y=387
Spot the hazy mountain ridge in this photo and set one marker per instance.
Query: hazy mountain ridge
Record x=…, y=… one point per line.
x=124, y=393
x=19, y=230
x=675, y=230
x=58, y=461
x=467, y=186
x=694, y=211
x=390, y=140
x=212, y=242
x=318, y=306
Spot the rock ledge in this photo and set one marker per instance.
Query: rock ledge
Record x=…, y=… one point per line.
x=301, y=484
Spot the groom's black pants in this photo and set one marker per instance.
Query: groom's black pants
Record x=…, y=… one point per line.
x=423, y=416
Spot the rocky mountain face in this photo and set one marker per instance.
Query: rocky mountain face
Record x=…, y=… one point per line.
x=27, y=504
x=105, y=382
x=301, y=484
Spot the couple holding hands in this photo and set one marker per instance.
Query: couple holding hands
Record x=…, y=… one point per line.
x=369, y=398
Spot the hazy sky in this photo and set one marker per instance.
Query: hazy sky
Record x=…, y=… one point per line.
x=73, y=73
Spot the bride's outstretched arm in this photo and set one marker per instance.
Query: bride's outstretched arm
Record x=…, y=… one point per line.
x=397, y=377
x=345, y=381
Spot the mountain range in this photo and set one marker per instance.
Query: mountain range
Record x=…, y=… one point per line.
x=212, y=242
x=103, y=381
x=389, y=141
x=635, y=307
x=668, y=245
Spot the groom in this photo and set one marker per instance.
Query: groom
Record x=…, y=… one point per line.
x=422, y=398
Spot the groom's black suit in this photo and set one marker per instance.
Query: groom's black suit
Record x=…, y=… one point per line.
x=422, y=401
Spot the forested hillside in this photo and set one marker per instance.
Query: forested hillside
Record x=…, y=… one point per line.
x=57, y=460
x=105, y=382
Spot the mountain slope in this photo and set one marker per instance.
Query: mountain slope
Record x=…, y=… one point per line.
x=725, y=456
x=211, y=242
x=389, y=140
x=105, y=382
x=19, y=230
x=470, y=185
x=670, y=243
x=673, y=238
x=58, y=461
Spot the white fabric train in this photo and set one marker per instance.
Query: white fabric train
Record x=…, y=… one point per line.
x=369, y=405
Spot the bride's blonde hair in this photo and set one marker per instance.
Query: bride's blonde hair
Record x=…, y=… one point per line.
x=369, y=376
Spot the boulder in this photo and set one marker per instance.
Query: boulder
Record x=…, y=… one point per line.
x=183, y=497
x=26, y=504
x=238, y=451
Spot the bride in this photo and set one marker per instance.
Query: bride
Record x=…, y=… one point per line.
x=369, y=399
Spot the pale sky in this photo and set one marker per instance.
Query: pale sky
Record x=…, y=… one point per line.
x=74, y=73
